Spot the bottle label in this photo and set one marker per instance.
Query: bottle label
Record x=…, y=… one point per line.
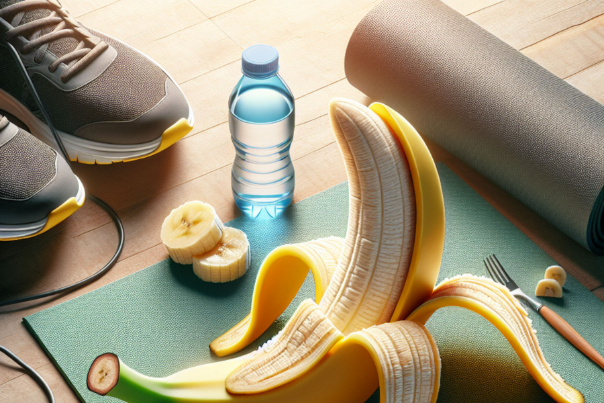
x=262, y=135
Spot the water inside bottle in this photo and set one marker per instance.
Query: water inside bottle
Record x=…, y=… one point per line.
x=263, y=175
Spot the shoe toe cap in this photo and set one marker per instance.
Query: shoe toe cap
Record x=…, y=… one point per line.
x=63, y=186
x=149, y=127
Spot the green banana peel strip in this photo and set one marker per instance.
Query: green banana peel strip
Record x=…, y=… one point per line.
x=349, y=373
x=279, y=279
x=494, y=302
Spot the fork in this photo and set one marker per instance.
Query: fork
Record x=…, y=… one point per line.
x=498, y=273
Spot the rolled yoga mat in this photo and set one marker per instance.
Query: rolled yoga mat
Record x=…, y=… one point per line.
x=528, y=131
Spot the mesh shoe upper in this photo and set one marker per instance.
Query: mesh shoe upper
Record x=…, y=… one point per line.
x=130, y=88
x=26, y=166
x=34, y=179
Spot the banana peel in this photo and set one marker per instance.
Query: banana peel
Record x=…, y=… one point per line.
x=363, y=360
x=349, y=373
x=280, y=277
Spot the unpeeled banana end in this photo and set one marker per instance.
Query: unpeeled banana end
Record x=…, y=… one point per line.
x=103, y=374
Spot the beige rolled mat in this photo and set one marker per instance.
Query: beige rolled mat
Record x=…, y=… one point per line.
x=528, y=131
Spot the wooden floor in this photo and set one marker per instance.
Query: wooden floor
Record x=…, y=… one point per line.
x=200, y=42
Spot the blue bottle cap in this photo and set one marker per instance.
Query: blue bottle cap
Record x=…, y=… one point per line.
x=260, y=61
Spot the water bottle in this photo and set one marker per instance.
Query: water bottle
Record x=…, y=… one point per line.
x=261, y=121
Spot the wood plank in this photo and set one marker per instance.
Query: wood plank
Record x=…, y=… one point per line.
x=78, y=8
x=22, y=344
x=599, y=293
x=62, y=261
x=25, y=389
x=572, y=50
x=192, y=51
x=214, y=8
x=126, y=19
x=466, y=7
x=274, y=22
x=522, y=23
x=590, y=81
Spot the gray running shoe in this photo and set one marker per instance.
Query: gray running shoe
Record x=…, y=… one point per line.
x=38, y=190
x=108, y=101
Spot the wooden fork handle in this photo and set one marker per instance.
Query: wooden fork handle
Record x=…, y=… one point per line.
x=571, y=335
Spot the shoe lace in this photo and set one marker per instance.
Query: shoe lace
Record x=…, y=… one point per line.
x=64, y=26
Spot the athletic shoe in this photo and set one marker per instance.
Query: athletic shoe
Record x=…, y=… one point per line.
x=108, y=101
x=37, y=188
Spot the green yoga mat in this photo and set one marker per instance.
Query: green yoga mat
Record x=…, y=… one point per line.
x=161, y=319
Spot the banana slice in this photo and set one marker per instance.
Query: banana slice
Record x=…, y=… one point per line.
x=227, y=261
x=557, y=273
x=548, y=288
x=191, y=229
x=103, y=374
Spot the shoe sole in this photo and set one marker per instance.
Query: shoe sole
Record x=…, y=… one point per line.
x=71, y=205
x=92, y=152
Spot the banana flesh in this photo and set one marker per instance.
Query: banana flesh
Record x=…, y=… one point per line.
x=191, y=229
x=495, y=303
x=381, y=226
x=306, y=338
x=557, y=273
x=227, y=261
x=409, y=363
x=430, y=214
x=279, y=279
x=548, y=288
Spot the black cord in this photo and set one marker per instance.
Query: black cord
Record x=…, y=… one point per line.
x=87, y=280
x=102, y=204
x=31, y=373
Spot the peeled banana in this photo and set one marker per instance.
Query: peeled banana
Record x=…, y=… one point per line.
x=191, y=229
x=227, y=261
x=557, y=273
x=548, y=288
x=341, y=348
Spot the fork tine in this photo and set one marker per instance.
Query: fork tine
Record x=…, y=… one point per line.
x=496, y=270
x=501, y=270
x=491, y=269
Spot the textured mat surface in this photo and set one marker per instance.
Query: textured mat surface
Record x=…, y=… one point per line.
x=491, y=106
x=161, y=319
